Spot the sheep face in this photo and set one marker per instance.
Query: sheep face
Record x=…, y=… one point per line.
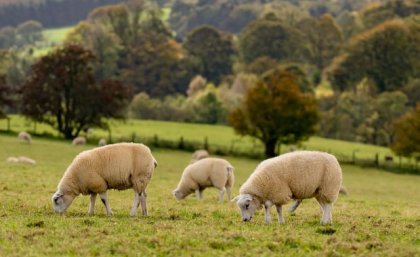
x=178, y=194
x=61, y=201
x=248, y=205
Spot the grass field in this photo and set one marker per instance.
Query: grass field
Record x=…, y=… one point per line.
x=380, y=217
x=217, y=135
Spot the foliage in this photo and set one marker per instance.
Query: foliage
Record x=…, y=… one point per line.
x=269, y=37
x=363, y=118
x=4, y=95
x=407, y=134
x=208, y=107
x=387, y=55
x=276, y=111
x=102, y=43
x=323, y=39
x=214, y=51
x=61, y=91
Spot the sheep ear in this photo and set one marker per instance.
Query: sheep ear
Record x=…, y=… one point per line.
x=235, y=199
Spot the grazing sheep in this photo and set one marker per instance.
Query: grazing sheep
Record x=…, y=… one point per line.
x=79, y=141
x=296, y=175
x=21, y=159
x=102, y=142
x=25, y=137
x=208, y=172
x=118, y=166
x=199, y=154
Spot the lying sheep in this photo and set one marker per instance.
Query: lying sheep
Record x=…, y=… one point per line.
x=25, y=137
x=296, y=175
x=208, y=172
x=199, y=154
x=21, y=159
x=102, y=142
x=79, y=141
x=118, y=166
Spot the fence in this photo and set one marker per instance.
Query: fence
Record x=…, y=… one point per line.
x=256, y=151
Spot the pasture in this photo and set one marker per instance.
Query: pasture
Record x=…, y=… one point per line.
x=380, y=217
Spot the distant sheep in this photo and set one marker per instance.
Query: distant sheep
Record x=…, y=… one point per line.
x=118, y=166
x=25, y=137
x=296, y=175
x=200, y=154
x=102, y=142
x=21, y=159
x=79, y=141
x=208, y=172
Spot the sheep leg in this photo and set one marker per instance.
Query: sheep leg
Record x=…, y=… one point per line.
x=199, y=194
x=104, y=199
x=280, y=214
x=228, y=193
x=143, y=198
x=136, y=204
x=221, y=192
x=267, y=207
x=295, y=205
x=92, y=204
x=326, y=213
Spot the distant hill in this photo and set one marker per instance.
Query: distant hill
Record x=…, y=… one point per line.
x=51, y=13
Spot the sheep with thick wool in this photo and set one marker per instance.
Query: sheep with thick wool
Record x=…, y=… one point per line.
x=296, y=175
x=25, y=137
x=118, y=166
x=21, y=159
x=208, y=172
x=102, y=142
x=199, y=154
x=79, y=141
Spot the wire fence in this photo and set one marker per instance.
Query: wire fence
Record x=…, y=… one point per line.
x=256, y=151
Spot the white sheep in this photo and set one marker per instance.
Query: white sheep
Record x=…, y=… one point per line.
x=21, y=159
x=102, y=142
x=25, y=137
x=296, y=175
x=208, y=172
x=200, y=154
x=118, y=166
x=79, y=141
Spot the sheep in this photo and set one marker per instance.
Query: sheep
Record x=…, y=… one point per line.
x=296, y=175
x=25, y=137
x=118, y=166
x=199, y=154
x=102, y=142
x=21, y=159
x=208, y=172
x=79, y=141
x=293, y=207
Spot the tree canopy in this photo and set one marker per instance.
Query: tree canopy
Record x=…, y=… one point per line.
x=276, y=111
x=61, y=91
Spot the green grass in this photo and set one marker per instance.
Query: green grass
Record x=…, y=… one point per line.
x=217, y=135
x=380, y=217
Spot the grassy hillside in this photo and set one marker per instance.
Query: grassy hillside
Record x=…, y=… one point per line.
x=378, y=218
x=217, y=135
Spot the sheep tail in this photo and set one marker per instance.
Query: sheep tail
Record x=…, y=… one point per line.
x=343, y=190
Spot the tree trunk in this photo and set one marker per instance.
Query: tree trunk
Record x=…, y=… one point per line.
x=270, y=148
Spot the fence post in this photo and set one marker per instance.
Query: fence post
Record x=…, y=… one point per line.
x=206, y=143
x=34, y=129
x=181, y=143
x=8, y=124
x=354, y=155
x=156, y=140
x=109, y=135
x=133, y=137
x=377, y=159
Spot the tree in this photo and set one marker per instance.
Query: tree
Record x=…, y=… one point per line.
x=213, y=49
x=276, y=111
x=269, y=37
x=5, y=99
x=29, y=32
x=104, y=44
x=61, y=91
x=386, y=55
x=323, y=39
x=407, y=134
